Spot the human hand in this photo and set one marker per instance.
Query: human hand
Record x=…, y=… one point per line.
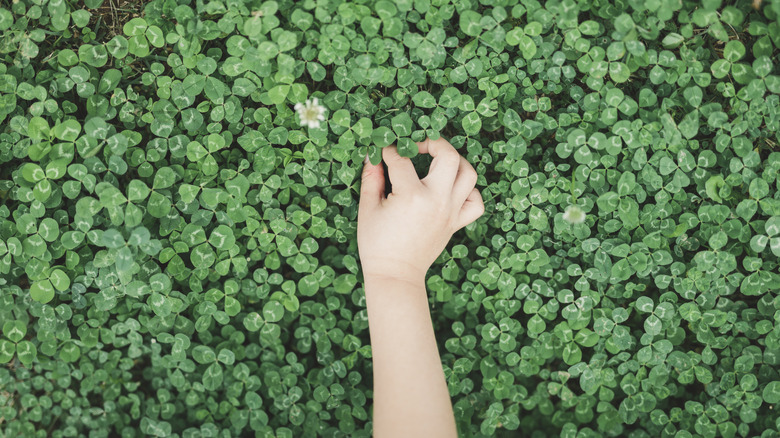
x=400, y=236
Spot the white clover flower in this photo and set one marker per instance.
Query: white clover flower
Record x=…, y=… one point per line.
x=574, y=215
x=311, y=113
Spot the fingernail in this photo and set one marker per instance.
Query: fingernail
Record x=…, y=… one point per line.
x=366, y=161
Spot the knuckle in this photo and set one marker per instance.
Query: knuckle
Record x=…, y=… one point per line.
x=450, y=156
x=441, y=144
x=397, y=159
x=481, y=208
x=471, y=176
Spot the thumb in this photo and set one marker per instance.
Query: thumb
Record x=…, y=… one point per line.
x=372, y=184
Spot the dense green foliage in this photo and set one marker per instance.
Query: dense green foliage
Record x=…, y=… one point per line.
x=178, y=254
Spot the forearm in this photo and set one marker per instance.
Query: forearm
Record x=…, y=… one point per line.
x=410, y=393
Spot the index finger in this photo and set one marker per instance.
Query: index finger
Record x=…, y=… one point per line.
x=444, y=167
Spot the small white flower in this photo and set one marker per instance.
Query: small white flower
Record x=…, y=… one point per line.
x=311, y=113
x=574, y=215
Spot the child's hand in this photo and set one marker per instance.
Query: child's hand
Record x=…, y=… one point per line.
x=400, y=236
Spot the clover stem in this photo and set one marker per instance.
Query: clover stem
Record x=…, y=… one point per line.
x=573, y=182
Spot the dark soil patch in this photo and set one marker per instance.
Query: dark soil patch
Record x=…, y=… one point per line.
x=108, y=19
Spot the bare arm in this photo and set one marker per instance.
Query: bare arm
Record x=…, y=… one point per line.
x=410, y=394
x=399, y=238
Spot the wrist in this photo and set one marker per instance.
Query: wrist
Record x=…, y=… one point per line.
x=392, y=269
x=414, y=279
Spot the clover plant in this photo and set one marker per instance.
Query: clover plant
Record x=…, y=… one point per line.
x=177, y=239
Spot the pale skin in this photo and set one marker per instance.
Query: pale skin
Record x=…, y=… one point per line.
x=399, y=238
